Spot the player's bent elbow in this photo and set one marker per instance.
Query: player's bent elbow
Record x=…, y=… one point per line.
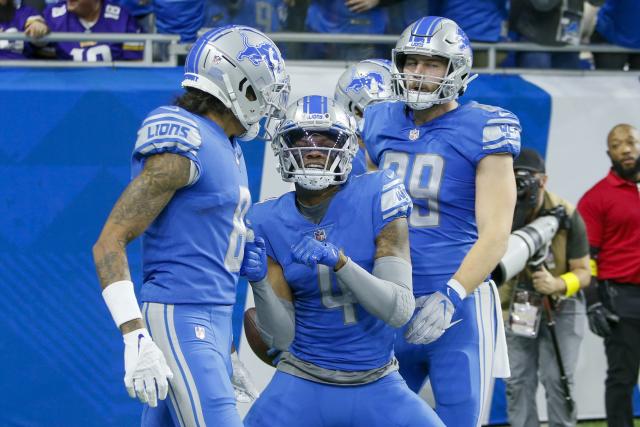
x=403, y=308
x=282, y=341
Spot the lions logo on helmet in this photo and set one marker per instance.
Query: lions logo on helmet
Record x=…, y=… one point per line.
x=263, y=52
x=432, y=36
x=315, y=143
x=243, y=68
x=362, y=84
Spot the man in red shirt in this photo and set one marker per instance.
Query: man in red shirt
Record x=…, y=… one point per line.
x=611, y=211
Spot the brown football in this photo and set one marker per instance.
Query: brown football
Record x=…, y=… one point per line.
x=253, y=337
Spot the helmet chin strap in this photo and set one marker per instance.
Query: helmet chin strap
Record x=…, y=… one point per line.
x=251, y=133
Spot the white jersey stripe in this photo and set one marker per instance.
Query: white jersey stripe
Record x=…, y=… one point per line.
x=182, y=381
x=391, y=184
x=502, y=143
x=187, y=372
x=170, y=117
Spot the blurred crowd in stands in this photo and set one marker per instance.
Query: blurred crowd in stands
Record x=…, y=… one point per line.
x=544, y=22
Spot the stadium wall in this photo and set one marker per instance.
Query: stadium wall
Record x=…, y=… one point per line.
x=65, y=140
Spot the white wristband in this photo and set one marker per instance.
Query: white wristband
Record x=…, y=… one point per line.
x=457, y=286
x=121, y=301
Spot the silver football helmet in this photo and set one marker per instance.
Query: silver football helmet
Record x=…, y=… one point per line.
x=364, y=83
x=243, y=68
x=439, y=37
x=316, y=143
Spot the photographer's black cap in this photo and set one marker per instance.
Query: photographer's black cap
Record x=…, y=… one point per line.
x=529, y=159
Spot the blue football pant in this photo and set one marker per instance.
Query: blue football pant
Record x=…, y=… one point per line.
x=289, y=401
x=196, y=342
x=458, y=364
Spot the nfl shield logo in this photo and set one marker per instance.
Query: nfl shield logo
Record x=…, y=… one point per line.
x=320, y=235
x=414, y=134
x=199, y=332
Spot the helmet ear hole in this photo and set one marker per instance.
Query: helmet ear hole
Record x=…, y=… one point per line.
x=249, y=93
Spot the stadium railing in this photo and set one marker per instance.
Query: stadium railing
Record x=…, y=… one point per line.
x=173, y=49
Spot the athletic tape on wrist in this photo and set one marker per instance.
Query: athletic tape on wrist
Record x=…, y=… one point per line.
x=121, y=301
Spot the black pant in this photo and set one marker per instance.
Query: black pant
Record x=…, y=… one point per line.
x=623, y=358
x=613, y=61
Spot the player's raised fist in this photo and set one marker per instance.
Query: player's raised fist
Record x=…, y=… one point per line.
x=254, y=264
x=310, y=251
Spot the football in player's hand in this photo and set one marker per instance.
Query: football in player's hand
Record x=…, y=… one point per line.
x=259, y=347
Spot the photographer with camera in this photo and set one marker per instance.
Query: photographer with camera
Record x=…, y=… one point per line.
x=611, y=210
x=544, y=346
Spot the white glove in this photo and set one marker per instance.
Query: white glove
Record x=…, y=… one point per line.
x=435, y=315
x=145, y=368
x=243, y=386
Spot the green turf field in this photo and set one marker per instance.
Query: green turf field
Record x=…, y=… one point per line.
x=636, y=423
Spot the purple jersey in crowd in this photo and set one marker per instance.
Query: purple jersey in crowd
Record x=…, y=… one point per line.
x=17, y=49
x=113, y=19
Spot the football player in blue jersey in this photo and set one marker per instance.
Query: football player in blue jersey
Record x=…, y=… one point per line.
x=188, y=198
x=456, y=162
x=331, y=278
x=362, y=84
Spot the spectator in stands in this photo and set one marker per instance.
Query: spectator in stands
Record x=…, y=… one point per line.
x=91, y=16
x=565, y=270
x=217, y=13
x=142, y=11
x=549, y=23
x=346, y=16
x=618, y=24
x=182, y=17
x=611, y=211
x=403, y=13
x=265, y=15
x=481, y=20
x=17, y=19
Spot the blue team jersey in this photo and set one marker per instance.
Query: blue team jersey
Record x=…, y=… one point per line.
x=437, y=162
x=264, y=15
x=182, y=17
x=481, y=20
x=618, y=22
x=359, y=163
x=332, y=330
x=333, y=16
x=193, y=250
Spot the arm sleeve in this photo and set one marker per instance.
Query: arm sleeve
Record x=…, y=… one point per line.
x=577, y=242
x=391, y=201
x=387, y=293
x=275, y=316
x=590, y=213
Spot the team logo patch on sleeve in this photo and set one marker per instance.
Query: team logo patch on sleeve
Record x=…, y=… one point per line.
x=394, y=199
